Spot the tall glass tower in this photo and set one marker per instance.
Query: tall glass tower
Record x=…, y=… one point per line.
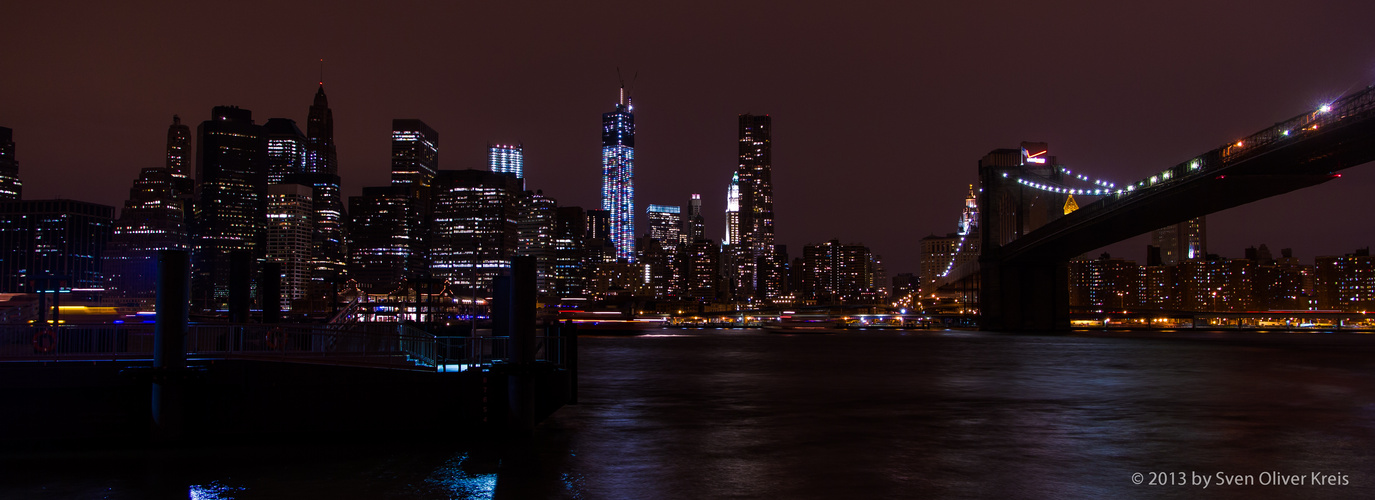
x=618, y=171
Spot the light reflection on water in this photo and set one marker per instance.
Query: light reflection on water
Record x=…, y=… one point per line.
x=874, y=414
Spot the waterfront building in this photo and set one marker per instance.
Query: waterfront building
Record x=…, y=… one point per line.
x=383, y=222
x=153, y=219
x=1105, y=283
x=536, y=235
x=476, y=227
x=571, y=267
x=834, y=273
x=1345, y=283
x=62, y=239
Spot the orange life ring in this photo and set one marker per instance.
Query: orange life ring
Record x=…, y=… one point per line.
x=44, y=341
x=276, y=338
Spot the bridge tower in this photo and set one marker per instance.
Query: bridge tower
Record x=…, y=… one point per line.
x=1012, y=294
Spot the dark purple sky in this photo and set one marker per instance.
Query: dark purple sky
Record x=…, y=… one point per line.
x=881, y=109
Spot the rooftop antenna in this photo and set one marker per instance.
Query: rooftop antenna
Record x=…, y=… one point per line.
x=322, y=71
x=621, y=79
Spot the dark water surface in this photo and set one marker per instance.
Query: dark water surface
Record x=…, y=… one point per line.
x=870, y=414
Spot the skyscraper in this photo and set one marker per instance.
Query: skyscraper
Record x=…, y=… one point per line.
x=289, y=210
x=179, y=149
x=756, y=208
x=732, y=236
x=666, y=225
x=507, y=159
x=231, y=174
x=618, y=172
x=696, y=224
x=286, y=149
x=1186, y=240
x=10, y=186
x=476, y=228
x=536, y=228
x=320, y=152
x=414, y=153
x=382, y=225
x=321, y=168
x=153, y=219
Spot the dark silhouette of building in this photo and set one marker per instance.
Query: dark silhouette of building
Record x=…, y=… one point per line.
x=52, y=239
x=231, y=200
x=703, y=276
x=1183, y=241
x=321, y=167
x=320, y=152
x=10, y=186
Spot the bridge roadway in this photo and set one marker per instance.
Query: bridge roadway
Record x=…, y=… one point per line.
x=1024, y=283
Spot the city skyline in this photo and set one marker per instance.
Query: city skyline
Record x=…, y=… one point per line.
x=1105, y=115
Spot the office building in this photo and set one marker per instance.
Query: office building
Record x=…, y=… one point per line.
x=666, y=225
x=231, y=176
x=476, y=228
x=834, y=273
x=506, y=159
x=153, y=219
x=696, y=222
x=61, y=239
x=618, y=175
x=381, y=238
x=289, y=232
x=286, y=149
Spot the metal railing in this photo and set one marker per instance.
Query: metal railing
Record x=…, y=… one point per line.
x=364, y=344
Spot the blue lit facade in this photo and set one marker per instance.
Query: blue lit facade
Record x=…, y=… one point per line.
x=507, y=159
x=618, y=171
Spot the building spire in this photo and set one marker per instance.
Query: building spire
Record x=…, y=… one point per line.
x=322, y=73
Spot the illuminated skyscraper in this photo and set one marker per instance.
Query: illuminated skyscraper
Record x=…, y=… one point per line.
x=231, y=175
x=179, y=148
x=536, y=228
x=414, y=153
x=618, y=172
x=286, y=149
x=10, y=186
x=507, y=159
x=289, y=210
x=732, y=236
x=666, y=225
x=755, y=180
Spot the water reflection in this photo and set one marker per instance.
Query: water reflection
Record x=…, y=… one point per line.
x=878, y=414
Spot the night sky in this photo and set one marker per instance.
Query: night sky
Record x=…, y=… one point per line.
x=881, y=109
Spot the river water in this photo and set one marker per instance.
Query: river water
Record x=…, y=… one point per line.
x=865, y=414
